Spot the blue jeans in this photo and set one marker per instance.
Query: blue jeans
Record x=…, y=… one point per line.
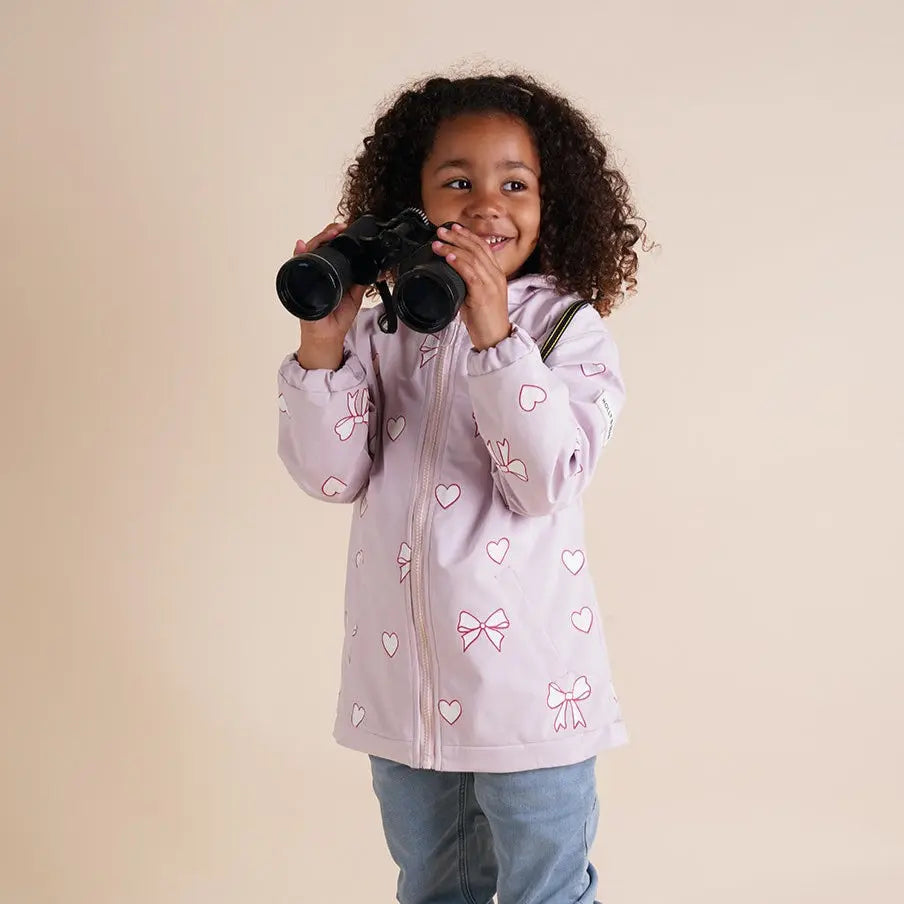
x=460, y=837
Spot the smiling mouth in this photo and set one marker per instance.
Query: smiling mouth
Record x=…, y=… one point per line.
x=496, y=242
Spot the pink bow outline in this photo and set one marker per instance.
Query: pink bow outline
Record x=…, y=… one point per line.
x=429, y=352
x=470, y=628
x=505, y=462
x=567, y=702
x=358, y=413
x=404, y=561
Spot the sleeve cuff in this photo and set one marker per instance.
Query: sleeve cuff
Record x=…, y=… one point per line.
x=517, y=345
x=348, y=375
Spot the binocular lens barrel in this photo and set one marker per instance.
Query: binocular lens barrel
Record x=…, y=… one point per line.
x=311, y=285
x=427, y=298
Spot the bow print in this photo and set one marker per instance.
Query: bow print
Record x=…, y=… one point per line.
x=428, y=351
x=358, y=413
x=404, y=561
x=470, y=628
x=567, y=702
x=505, y=462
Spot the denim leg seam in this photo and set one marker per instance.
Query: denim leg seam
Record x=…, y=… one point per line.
x=464, y=878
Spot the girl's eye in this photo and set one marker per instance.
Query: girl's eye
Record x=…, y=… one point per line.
x=512, y=185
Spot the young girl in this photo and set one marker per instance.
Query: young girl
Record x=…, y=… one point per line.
x=474, y=669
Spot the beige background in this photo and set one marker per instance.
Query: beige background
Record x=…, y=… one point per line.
x=172, y=603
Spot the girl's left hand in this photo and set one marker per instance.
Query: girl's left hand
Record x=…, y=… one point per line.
x=485, y=309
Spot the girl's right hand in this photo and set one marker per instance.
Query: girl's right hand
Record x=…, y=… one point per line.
x=322, y=340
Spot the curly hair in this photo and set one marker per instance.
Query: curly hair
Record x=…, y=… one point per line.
x=588, y=223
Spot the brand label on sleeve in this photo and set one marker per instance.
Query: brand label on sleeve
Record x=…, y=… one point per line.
x=602, y=402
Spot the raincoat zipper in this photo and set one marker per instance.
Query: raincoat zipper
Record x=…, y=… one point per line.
x=427, y=754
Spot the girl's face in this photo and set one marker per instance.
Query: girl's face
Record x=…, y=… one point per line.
x=483, y=171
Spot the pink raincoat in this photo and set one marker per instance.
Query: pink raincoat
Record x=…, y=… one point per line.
x=473, y=639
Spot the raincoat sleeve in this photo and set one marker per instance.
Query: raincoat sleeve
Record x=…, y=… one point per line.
x=545, y=423
x=326, y=418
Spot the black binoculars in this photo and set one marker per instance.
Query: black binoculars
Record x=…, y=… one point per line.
x=427, y=292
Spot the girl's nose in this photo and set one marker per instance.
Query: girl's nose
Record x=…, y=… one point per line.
x=486, y=205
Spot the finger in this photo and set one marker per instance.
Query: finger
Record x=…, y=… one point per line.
x=353, y=298
x=472, y=247
x=464, y=266
x=326, y=235
x=452, y=254
x=483, y=271
x=470, y=239
x=458, y=248
x=453, y=240
x=444, y=249
x=330, y=232
x=464, y=236
x=349, y=306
